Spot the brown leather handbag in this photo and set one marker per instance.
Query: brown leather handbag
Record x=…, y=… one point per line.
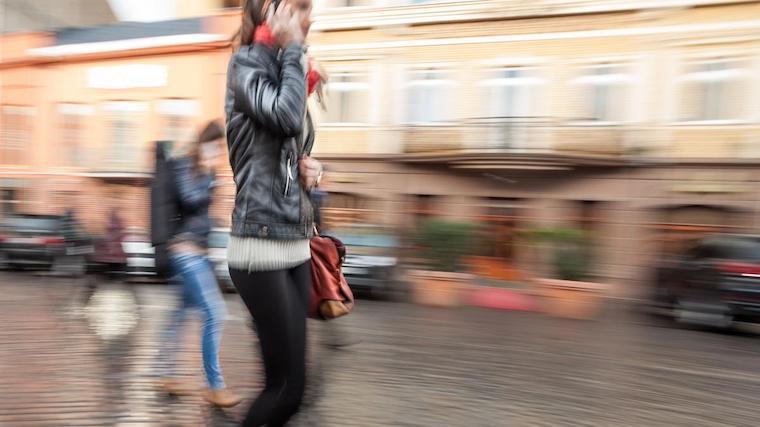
x=330, y=295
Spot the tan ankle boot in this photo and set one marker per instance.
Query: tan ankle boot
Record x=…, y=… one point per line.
x=222, y=398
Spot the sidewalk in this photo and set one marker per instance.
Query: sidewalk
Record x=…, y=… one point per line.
x=413, y=366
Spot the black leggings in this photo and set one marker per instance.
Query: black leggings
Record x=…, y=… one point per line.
x=278, y=302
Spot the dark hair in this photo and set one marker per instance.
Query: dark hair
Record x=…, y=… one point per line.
x=253, y=16
x=211, y=132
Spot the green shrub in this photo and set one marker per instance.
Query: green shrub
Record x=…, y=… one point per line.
x=445, y=243
x=571, y=251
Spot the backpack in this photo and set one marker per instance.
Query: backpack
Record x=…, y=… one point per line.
x=164, y=209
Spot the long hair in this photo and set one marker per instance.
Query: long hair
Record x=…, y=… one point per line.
x=253, y=16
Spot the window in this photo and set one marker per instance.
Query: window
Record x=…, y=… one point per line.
x=121, y=134
x=15, y=134
x=513, y=92
x=122, y=125
x=344, y=209
x=714, y=90
x=73, y=120
x=430, y=97
x=71, y=134
x=348, y=98
x=513, y=98
x=347, y=3
x=604, y=94
x=178, y=119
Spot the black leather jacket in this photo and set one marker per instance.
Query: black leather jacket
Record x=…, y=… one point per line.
x=193, y=194
x=268, y=130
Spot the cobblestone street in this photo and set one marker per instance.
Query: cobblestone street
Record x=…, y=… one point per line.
x=65, y=365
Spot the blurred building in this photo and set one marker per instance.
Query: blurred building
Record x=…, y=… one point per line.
x=196, y=8
x=633, y=119
x=42, y=15
x=81, y=107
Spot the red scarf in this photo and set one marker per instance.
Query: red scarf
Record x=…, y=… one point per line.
x=263, y=35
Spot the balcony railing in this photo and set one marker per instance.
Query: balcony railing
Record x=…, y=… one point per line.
x=519, y=134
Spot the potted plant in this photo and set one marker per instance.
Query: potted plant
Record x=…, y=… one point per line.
x=442, y=245
x=569, y=292
x=498, y=283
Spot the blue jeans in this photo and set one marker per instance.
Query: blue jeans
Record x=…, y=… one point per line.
x=199, y=290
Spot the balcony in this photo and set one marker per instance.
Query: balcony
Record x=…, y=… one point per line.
x=122, y=166
x=518, y=143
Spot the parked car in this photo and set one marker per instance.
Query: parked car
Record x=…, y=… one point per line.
x=141, y=263
x=714, y=283
x=217, y=254
x=37, y=242
x=371, y=266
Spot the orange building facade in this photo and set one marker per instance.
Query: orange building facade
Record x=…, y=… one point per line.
x=78, y=127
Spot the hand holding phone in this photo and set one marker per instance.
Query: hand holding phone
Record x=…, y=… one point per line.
x=285, y=24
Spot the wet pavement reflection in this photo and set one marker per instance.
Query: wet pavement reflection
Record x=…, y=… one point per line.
x=62, y=364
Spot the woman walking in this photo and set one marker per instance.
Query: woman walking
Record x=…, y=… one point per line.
x=193, y=182
x=270, y=135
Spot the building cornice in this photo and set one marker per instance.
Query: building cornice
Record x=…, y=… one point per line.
x=126, y=53
x=393, y=15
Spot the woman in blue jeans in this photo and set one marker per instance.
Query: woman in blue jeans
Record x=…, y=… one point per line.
x=194, y=179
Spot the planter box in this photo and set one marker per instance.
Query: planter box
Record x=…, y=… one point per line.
x=501, y=299
x=570, y=299
x=439, y=289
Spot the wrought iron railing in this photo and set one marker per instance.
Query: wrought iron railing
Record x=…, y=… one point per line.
x=519, y=134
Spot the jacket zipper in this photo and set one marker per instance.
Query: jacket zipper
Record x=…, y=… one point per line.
x=290, y=174
x=305, y=149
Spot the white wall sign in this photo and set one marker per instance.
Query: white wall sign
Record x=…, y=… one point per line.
x=127, y=76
